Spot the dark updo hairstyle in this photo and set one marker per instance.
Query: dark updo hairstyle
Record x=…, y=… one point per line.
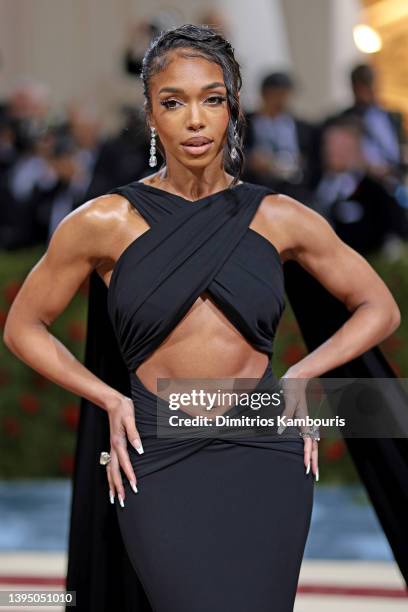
x=202, y=41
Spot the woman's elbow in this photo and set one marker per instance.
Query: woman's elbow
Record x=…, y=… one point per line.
x=395, y=318
x=14, y=329
x=389, y=319
x=9, y=333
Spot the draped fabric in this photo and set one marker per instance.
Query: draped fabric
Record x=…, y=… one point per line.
x=98, y=566
x=382, y=463
x=191, y=248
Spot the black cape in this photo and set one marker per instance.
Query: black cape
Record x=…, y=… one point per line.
x=98, y=566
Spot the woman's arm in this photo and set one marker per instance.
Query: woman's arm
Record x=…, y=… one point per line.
x=311, y=241
x=76, y=248
x=50, y=286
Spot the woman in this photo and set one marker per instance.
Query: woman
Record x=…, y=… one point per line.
x=190, y=261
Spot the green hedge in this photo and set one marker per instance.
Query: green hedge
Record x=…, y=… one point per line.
x=38, y=419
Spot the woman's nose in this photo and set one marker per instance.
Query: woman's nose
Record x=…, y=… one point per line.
x=195, y=120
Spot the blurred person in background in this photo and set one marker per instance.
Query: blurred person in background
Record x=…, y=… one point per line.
x=24, y=141
x=384, y=138
x=122, y=157
x=85, y=127
x=72, y=166
x=360, y=208
x=27, y=113
x=74, y=161
x=278, y=145
x=29, y=100
x=48, y=166
x=31, y=219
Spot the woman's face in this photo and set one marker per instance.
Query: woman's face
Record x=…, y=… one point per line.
x=188, y=100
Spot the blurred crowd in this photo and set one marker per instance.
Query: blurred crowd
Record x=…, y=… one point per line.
x=351, y=167
x=49, y=166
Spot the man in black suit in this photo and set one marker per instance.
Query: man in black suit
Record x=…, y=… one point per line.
x=361, y=210
x=277, y=144
x=384, y=135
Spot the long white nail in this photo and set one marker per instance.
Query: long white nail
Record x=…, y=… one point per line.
x=134, y=487
x=111, y=497
x=308, y=468
x=281, y=429
x=121, y=501
x=317, y=474
x=138, y=446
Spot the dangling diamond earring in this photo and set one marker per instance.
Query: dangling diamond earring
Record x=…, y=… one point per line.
x=153, y=158
x=234, y=152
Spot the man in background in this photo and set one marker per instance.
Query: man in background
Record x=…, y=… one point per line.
x=383, y=133
x=360, y=208
x=278, y=145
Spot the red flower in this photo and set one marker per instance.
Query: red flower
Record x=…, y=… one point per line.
x=70, y=414
x=11, y=289
x=292, y=354
x=29, y=403
x=67, y=463
x=11, y=426
x=76, y=331
x=334, y=450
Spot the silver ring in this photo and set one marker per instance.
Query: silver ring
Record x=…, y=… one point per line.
x=312, y=433
x=104, y=458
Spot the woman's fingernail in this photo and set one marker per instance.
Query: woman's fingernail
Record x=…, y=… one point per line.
x=281, y=428
x=134, y=487
x=111, y=497
x=317, y=474
x=138, y=446
x=121, y=500
x=308, y=468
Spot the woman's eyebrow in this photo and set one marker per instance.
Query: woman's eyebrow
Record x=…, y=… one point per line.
x=180, y=90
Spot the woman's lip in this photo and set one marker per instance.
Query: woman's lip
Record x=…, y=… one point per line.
x=197, y=150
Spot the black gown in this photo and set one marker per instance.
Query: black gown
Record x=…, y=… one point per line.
x=217, y=524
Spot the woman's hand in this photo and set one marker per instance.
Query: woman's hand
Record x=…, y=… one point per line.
x=122, y=428
x=294, y=390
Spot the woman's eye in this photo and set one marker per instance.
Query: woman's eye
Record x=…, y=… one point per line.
x=167, y=103
x=172, y=104
x=221, y=99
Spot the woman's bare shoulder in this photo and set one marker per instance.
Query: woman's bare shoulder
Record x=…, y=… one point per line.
x=77, y=246
x=298, y=227
x=87, y=228
x=283, y=208
x=100, y=211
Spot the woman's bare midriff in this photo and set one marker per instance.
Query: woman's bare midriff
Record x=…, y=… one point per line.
x=204, y=344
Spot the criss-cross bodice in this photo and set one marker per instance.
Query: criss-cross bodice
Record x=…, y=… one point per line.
x=192, y=247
